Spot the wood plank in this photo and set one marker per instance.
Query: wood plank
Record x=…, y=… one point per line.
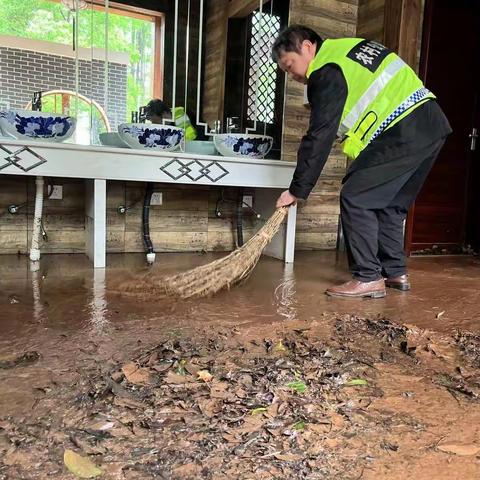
x=225, y=241
x=167, y=220
x=308, y=223
x=115, y=241
x=316, y=241
x=168, y=242
x=13, y=241
x=62, y=241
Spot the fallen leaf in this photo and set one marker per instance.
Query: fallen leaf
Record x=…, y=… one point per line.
x=457, y=449
x=288, y=457
x=320, y=428
x=440, y=314
x=204, y=375
x=298, y=386
x=280, y=347
x=101, y=426
x=80, y=466
x=258, y=410
x=128, y=402
x=299, y=426
x=208, y=407
x=356, y=382
x=172, y=377
x=136, y=374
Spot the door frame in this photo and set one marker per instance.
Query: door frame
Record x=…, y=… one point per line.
x=424, y=20
x=405, y=32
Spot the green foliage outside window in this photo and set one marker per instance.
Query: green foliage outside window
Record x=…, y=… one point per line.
x=52, y=21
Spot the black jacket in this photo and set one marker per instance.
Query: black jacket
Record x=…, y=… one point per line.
x=327, y=93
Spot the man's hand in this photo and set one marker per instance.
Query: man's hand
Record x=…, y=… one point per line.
x=286, y=199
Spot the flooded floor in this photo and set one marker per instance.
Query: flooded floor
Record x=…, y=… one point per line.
x=62, y=325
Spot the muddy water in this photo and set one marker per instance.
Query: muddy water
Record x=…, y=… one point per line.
x=67, y=296
x=75, y=317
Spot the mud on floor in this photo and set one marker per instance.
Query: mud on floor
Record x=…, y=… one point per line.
x=349, y=398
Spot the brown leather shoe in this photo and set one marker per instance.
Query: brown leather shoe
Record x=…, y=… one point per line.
x=399, y=283
x=357, y=289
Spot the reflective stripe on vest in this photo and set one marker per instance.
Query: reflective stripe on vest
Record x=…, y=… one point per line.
x=381, y=89
x=369, y=96
x=412, y=100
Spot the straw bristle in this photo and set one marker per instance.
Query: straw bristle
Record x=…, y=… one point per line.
x=227, y=271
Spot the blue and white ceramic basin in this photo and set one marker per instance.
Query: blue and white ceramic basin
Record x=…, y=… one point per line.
x=51, y=127
x=151, y=136
x=243, y=144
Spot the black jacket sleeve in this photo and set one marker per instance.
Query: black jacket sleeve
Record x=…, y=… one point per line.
x=327, y=94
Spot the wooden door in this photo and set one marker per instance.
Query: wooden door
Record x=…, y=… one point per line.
x=449, y=66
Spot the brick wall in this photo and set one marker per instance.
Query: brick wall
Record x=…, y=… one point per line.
x=23, y=72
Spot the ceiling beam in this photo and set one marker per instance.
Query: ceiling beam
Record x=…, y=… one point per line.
x=242, y=8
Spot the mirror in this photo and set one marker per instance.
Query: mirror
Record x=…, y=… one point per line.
x=101, y=61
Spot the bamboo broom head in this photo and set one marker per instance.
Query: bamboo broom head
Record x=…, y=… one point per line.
x=227, y=271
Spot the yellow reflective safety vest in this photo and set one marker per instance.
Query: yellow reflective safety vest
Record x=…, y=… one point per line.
x=183, y=121
x=382, y=89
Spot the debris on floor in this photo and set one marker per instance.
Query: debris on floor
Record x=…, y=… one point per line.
x=241, y=405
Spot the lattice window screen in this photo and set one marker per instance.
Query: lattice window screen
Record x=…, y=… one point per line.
x=263, y=71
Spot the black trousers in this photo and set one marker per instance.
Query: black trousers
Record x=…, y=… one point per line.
x=374, y=202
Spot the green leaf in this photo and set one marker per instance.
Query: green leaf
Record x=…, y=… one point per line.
x=356, y=382
x=80, y=466
x=280, y=347
x=297, y=386
x=258, y=410
x=299, y=426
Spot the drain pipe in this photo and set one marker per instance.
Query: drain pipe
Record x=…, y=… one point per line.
x=240, y=218
x=146, y=224
x=37, y=221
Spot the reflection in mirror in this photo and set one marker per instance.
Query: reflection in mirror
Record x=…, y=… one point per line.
x=255, y=93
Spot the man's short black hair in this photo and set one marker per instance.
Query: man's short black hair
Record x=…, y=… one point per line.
x=157, y=107
x=291, y=38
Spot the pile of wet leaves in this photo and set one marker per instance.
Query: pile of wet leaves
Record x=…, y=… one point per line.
x=221, y=406
x=469, y=345
x=208, y=410
x=291, y=407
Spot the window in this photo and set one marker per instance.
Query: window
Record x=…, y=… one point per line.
x=263, y=71
x=132, y=31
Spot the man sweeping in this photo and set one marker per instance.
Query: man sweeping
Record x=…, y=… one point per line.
x=388, y=123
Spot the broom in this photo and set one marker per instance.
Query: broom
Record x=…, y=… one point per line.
x=227, y=271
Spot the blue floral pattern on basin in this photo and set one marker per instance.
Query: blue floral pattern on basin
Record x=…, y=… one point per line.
x=151, y=137
x=37, y=125
x=254, y=146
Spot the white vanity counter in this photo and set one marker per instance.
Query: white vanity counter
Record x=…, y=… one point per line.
x=97, y=164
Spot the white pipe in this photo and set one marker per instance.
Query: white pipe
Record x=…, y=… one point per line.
x=37, y=221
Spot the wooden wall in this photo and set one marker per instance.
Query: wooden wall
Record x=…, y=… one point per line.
x=64, y=220
x=216, y=25
x=186, y=220
x=318, y=217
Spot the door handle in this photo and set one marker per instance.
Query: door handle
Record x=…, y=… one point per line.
x=473, y=136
